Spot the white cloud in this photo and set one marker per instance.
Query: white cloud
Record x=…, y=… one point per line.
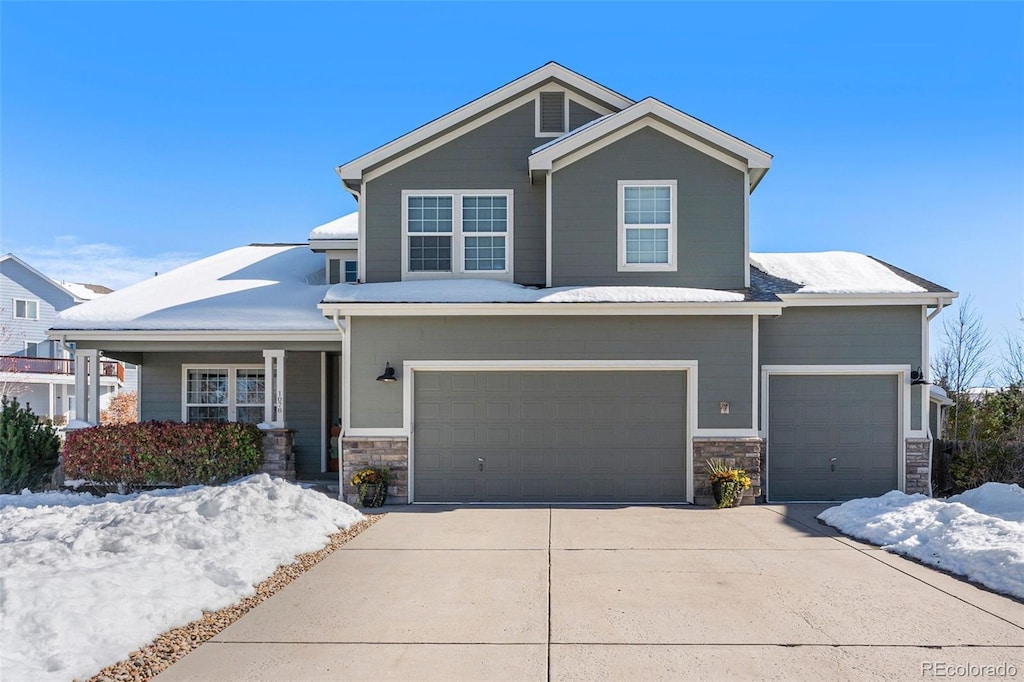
x=99, y=263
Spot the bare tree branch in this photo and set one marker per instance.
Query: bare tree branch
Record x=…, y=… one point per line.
x=962, y=356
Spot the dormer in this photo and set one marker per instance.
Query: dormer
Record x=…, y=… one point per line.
x=338, y=240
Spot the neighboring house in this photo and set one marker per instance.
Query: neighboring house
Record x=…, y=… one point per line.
x=554, y=302
x=37, y=371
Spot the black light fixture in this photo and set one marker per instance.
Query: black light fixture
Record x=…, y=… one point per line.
x=389, y=374
x=917, y=377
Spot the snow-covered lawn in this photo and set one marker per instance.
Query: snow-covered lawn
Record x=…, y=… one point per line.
x=84, y=581
x=978, y=534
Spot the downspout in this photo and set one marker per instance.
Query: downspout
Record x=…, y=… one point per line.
x=938, y=309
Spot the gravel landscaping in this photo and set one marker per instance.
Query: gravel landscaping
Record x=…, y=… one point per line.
x=173, y=645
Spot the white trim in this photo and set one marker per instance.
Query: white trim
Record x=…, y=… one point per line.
x=198, y=335
x=725, y=433
x=562, y=309
x=375, y=432
x=361, y=252
x=682, y=127
x=672, y=227
x=462, y=120
x=26, y=301
x=902, y=373
x=458, y=237
x=410, y=367
x=323, y=412
x=548, y=228
x=624, y=132
x=924, y=298
x=746, y=228
x=346, y=379
x=537, y=132
x=755, y=352
x=231, y=368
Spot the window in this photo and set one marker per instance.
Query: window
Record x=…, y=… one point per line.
x=647, y=225
x=335, y=268
x=457, y=232
x=224, y=394
x=25, y=309
x=552, y=114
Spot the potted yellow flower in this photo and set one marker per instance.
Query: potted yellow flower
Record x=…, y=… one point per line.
x=372, y=485
x=727, y=483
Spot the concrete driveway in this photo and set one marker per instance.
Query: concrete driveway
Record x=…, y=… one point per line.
x=615, y=593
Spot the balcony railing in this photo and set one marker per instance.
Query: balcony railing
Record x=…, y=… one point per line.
x=18, y=363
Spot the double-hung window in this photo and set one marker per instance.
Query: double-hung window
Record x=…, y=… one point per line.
x=223, y=394
x=647, y=225
x=457, y=232
x=26, y=309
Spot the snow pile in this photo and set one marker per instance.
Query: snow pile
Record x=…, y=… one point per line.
x=345, y=227
x=248, y=288
x=491, y=291
x=979, y=534
x=87, y=580
x=834, y=272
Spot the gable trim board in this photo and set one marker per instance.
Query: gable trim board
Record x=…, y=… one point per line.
x=478, y=112
x=411, y=367
x=668, y=120
x=900, y=372
x=561, y=309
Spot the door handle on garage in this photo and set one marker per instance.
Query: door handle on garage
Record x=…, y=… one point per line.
x=481, y=462
x=832, y=463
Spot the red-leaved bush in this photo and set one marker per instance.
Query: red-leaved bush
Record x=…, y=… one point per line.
x=150, y=453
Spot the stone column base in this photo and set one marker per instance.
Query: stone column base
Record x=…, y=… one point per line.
x=738, y=453
x=278, y=454
x=377, y=453
x=918, y=466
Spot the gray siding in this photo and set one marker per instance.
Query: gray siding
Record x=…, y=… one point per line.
x=579, y=115
x=494, y=156
x=710, y=242
x=161, y=394
x=721, y=346
x=851, y=335
x=17, y=282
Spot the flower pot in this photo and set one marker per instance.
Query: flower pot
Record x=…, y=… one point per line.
x=372, y=494
x=727, y=494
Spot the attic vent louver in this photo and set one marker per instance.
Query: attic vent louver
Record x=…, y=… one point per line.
x=551, y=112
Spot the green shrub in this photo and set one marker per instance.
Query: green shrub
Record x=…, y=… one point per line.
x=28, y=449
x=978, y=462
x=154, y=453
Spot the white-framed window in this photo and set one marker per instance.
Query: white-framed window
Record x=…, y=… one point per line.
x=223, y=393
x=551, y=113
x=341, y=270
x=647, y=225
x=26, y=309
x=457, y=232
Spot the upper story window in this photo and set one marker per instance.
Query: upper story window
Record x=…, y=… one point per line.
x=25, y=309
x=457, y=232
x=552, y=115
x=342, y=270
x=647, y=225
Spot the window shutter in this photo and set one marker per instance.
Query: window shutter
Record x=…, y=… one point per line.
x=552, y=112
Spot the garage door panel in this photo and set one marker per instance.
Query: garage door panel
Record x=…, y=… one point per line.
x=572, y=436
x=814, y=419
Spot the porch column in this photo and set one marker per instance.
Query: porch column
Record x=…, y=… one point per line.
x=273, y=401
x=81, y=384
x=94, y=387
x=53, y=396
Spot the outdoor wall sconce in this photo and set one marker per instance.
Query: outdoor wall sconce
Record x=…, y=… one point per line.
x=917, y=377
x=388, y=376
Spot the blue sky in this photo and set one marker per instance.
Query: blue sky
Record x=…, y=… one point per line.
x=136, y=136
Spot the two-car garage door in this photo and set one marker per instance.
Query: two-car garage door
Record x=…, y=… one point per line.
x=549, y=436
x=832, y=437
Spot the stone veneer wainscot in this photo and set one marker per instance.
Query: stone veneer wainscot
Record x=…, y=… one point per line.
x=376, y=453
x=738, y=453
x=918, y=461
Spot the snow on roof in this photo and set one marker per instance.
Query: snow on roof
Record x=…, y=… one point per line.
x=345, y=227
x=834, y=272
x=86, y=292
x=490, y=291
x=250, y=288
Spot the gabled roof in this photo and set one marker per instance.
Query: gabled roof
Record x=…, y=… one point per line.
x=353, y=170
x=681, y=126
x=43, y=278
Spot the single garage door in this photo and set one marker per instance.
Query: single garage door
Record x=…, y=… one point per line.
x=549, y=436
x=832, y=437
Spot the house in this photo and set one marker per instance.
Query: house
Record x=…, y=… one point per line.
x=553, y=301
x=37, y=371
